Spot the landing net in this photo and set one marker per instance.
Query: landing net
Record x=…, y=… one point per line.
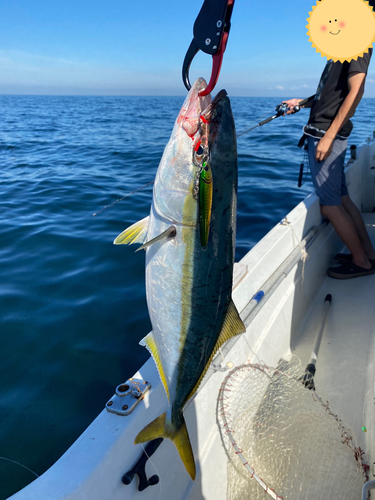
x=283, y=439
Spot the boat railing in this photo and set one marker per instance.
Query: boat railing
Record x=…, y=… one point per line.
x=256, y=303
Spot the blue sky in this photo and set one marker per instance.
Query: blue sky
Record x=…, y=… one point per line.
x=123, y=47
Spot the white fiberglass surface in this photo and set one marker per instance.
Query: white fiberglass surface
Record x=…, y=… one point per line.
x=344, y=374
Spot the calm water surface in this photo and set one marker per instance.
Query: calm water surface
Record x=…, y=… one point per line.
x=72, y=305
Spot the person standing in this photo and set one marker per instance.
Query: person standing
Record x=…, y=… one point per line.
x=340, y=90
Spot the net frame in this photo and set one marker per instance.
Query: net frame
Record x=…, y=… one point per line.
x=223, y=412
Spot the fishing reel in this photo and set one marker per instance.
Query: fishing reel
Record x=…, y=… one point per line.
x=281, y=108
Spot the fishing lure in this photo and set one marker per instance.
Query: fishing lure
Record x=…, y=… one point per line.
x=205, y=202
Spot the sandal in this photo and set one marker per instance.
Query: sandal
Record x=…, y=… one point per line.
x=350, y=270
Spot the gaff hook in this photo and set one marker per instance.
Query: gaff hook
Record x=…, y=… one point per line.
x=211, y=31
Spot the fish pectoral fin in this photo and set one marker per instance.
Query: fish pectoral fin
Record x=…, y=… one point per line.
x=232, y=326
x=151, y=346
x=136, y=233
x=168, y=233
x=179, y=437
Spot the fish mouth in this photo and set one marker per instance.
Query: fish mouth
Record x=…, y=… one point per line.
x=210, y=108
x=335, y=33
x=192, y=108
x=196, y=107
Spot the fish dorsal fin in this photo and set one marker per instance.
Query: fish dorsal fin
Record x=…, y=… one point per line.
x=136, y=233
x=168, y=233
x=232, y=326
x=150, y=344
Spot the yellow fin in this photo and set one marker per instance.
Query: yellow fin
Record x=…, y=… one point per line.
x=136, y=233
x=179, y=437
x=154, y=430
x=150, y=344
x=232, y=326
x=183, y=445
x=168, y=233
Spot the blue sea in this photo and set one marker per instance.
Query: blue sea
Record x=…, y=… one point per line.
x=72, y=305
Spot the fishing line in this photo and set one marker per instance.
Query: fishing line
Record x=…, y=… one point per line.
x=18, y=463
x=304, y=254
x=280, y=110
x=123, y=198
x=153, y=464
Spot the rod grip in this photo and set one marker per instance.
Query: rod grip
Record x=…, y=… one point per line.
x=304, y=101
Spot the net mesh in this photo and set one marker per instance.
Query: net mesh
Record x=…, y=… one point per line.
x=284, y=439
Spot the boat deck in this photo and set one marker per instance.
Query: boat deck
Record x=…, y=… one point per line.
x=345, y=375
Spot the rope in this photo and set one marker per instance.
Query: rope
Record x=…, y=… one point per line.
x=304, y=254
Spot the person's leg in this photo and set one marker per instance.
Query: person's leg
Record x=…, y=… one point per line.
x=346, y=229
x=329, y=182
x=357, y=219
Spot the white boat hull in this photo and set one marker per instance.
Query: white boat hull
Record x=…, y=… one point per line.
x=93, y=467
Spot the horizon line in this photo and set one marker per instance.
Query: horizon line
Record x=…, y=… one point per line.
x=136, y=95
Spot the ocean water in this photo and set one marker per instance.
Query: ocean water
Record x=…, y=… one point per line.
x=72, y=305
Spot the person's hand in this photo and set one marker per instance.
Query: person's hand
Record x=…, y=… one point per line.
x=291, y=103
x=324, y=148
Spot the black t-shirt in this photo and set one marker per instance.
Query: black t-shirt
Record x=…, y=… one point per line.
x=331, y=92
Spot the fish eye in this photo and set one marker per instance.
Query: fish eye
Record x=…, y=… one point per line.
x=330, y=21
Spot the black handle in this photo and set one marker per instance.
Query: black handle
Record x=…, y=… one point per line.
x=140, y=467
x=302, y=103
x=213, y=19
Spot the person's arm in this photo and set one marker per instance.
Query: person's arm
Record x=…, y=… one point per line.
x=356, y=85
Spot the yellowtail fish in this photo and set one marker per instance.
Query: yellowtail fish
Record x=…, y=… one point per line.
x=189, y=238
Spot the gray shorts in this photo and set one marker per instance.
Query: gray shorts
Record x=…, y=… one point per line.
x=328, y=176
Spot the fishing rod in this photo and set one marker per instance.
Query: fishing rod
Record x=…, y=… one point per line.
x=281, y=109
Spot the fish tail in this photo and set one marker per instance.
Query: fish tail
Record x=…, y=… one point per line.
x=179, y=437
x=181, y=441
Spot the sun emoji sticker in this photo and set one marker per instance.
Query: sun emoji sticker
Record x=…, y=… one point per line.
x=341, y=30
